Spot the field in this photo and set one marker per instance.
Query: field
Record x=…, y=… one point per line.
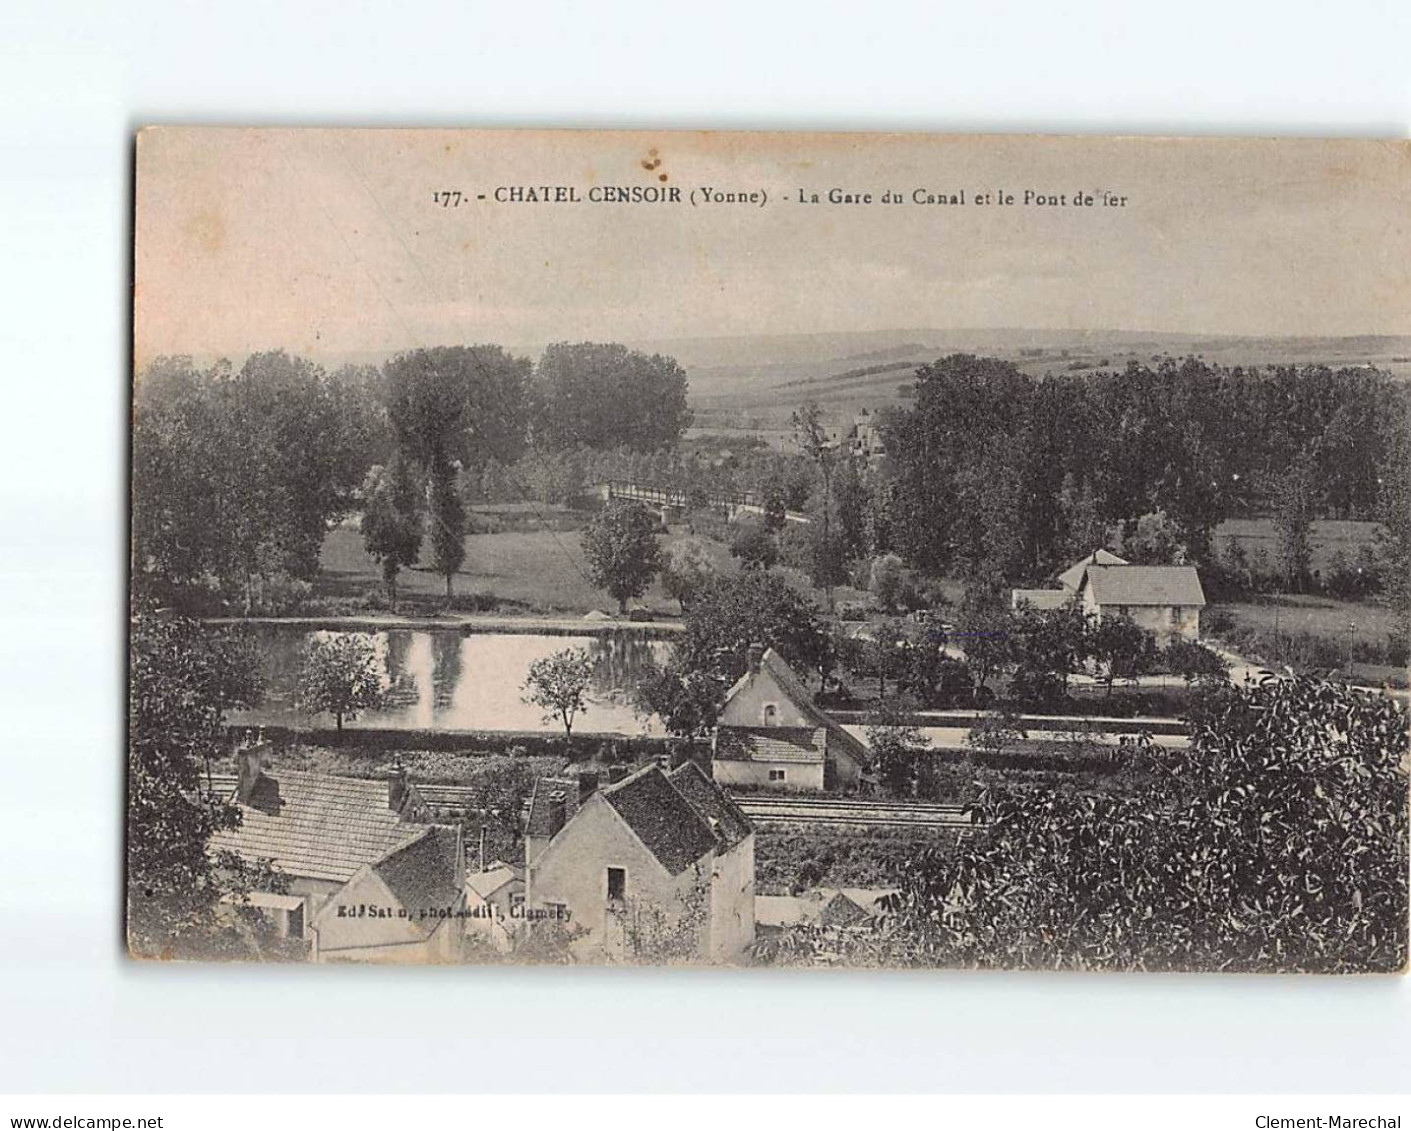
x=1329, y=538
x=1314, y=633
x=525, y=570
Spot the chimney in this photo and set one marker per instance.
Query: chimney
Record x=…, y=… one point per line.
x=250, y=762
x=587, y=784
x=558, y=812
x=397, y=785
x=756, y=656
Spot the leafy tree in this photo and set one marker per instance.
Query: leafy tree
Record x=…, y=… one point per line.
x=1193, y=661
x=983, y=626
x=1394, y=509
x=392, y=522
x=996, y=733
x=1293, y=522
x=1155, y=540
x=775, y=502
x=237, y=476
x=1047, y=646
x=558, y=684
x=342, y=674
x=447, y=520
x=621, y=547
x=606, y=396
x=466, y=404
x=1085, y=529
x=183, y=678
x=1276, y=842
x=755, y=547
x=811, y=435
x=688, y=567
x=732, y=613
x=854, y=504
x=887, y=653
x=898, y=749
x=687, y=702
x=886, y=581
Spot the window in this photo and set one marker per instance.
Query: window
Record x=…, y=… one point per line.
x=771, y=715
x=776, y=775
x=617, y=883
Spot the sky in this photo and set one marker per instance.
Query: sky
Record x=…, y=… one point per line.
x=330, y=243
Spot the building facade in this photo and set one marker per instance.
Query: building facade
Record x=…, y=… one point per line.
x=657, y=867
x=771, y=734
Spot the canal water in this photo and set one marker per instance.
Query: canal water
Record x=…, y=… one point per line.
x=444, y=680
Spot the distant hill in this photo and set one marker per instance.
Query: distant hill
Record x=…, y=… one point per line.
x=769, y=374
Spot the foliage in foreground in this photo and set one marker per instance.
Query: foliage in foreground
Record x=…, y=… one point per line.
x=1276, y=842
x=183, y=679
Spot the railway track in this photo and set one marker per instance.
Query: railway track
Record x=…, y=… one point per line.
x=866, y=814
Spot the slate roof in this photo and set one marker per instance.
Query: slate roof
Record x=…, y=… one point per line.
x=1072, y=577
x=803, y=745
x=663, y=820
x=1146, y=585
x=315, y=826
x=724, y=817
x=1042, y=598
x=424, y=874
x=842, y=742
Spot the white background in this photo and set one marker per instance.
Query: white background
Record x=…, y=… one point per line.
x=76, y=80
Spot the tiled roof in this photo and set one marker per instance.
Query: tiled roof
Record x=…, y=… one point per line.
x=1146, y=585
x=722, y=815
x=1042, y=598
x=671, y=828
x=805, y=745
x=424, y=874
x=1072, y=577
x=315, y=826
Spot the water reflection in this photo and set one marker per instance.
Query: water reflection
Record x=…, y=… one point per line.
x=446, y=681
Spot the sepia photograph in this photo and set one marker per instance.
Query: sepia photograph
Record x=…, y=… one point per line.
x=769, y=550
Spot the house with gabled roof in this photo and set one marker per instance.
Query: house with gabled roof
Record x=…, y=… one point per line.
x=771, y=734
x=658, y=866
x=344, y=842
x=404, y=907
x=821, y=907
x=494, y=904
x=1163, y=599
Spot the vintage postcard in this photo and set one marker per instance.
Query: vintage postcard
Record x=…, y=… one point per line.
x=770, y=550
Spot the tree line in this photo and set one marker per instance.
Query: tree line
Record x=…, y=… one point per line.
x=238, y=474
x=997, y=474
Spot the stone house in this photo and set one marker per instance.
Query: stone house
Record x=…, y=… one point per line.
x=658, y=866
x=1165, y=599
x=367, y=847
x=771, y=734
